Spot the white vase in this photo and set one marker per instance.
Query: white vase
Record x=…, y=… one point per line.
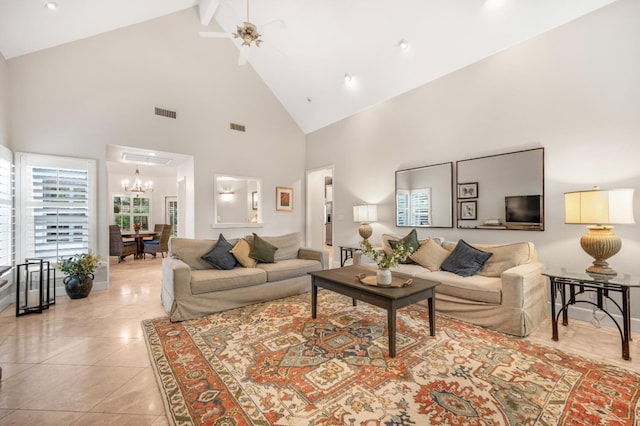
x=383, y=277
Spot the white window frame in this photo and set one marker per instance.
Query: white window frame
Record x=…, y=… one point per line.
x=6, y=207
x=131, y=213
x=25, y=160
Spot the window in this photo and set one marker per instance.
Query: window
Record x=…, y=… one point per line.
x=128, y=210
x=171, y=214
x=6, y=217
x=414, y=207
x=56, y=198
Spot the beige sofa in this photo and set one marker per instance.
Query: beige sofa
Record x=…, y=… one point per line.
x=508, y=294
x=191, y=287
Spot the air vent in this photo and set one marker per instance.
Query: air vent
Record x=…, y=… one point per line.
x=146, y=159
x=238, y=127
x=165, y=113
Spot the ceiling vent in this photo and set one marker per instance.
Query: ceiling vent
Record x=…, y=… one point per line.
x=238, y=127
x=165, y=113
x=146, y=159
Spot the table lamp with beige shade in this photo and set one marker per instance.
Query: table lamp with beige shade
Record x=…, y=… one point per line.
x=599, y=209
x=365, y=214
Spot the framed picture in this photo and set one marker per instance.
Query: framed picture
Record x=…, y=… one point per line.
x=284, y=199
x=254, y=200
x=468, y=210
x=468, y=190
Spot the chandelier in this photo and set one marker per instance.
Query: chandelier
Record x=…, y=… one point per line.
x=138, y=187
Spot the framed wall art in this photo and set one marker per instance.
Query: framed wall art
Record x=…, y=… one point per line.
x=468, y=210
x=284, y=199
x=468, y=190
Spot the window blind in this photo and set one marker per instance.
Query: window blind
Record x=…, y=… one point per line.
x=57, y=201
x=6, y=208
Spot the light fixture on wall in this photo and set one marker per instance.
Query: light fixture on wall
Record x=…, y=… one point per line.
x=51, y=5
x=226, y=194
x=137, y=187
x=599, y=209
x=365, y=214
x=403, y=44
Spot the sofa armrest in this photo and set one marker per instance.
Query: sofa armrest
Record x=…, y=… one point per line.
x=312, y=254
x=520, y=283
x=176, y=278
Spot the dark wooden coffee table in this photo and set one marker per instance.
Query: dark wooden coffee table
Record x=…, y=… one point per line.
x=345, y=281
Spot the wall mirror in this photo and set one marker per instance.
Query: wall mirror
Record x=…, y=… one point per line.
x=424, y=196
x=504, y=191
x=237, y=200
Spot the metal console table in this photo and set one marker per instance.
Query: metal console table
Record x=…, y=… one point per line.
x=579, y=283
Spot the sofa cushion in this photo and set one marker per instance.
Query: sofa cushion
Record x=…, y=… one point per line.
x=190, y=251
x=430, y=255
x=465, y=260
x=410, y=240
x=505, y=257
x=219, y=280
x=290, y=268
x=476, y=288
x=288, y=245
x=220, y=256
x=241, y=252
x=261, y=250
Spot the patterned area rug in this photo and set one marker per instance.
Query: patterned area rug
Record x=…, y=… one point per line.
x=271, y=364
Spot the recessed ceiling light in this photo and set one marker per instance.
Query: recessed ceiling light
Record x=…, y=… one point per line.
x=347, y=78
x=403, y=44
x=51, y=5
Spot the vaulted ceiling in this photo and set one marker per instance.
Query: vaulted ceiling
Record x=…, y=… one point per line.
x=311, y=45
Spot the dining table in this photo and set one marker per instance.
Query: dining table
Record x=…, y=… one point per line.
x=139, y=238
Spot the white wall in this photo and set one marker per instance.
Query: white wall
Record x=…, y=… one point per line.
x=574, y=91
x=4, y=102
x=75, y=99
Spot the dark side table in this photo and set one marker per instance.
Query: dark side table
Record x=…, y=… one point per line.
x=577, y=287
x=346, y=253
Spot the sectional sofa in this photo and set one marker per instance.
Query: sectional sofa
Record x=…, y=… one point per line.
x=507, y=294
x=193, y=287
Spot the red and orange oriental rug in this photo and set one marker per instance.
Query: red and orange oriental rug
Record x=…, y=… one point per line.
x=271, y=364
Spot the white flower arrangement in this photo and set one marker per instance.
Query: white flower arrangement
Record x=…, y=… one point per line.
x=385, y=261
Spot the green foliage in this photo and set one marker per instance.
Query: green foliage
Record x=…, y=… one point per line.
x=384, y=260
x=79, y=264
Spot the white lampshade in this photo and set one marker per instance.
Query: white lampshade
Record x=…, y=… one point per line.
x=365, y=213
x=613, y=206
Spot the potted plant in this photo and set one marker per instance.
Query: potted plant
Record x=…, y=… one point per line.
x=386, y=260
x=79, y=269
x=136, y=227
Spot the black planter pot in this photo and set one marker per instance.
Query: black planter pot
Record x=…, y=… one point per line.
x=78, y=286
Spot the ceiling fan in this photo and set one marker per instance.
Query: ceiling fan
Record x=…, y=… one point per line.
x=247, y=32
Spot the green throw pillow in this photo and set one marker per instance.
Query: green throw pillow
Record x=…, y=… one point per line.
x=262, y=251
x=410, y=240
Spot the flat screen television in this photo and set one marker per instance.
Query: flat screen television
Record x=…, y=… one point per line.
x=523, y=209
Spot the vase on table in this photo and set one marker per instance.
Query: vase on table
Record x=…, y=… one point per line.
x=383, y=277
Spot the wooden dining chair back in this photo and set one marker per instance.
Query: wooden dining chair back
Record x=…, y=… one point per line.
x=120, y=248
x=160, y=244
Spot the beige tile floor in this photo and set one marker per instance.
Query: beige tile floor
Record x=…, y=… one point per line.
x=84, y=362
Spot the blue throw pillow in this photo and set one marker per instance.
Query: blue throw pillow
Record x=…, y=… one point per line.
x=465, y=260
x=220, y=256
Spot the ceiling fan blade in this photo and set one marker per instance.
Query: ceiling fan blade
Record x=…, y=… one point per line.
x=243, y=56
x=211, y=34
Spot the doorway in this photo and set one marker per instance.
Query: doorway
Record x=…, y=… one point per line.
x=320, y=208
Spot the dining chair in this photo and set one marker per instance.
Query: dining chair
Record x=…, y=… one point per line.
x=157, y=230
x=160, y=243
x=118, y=247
